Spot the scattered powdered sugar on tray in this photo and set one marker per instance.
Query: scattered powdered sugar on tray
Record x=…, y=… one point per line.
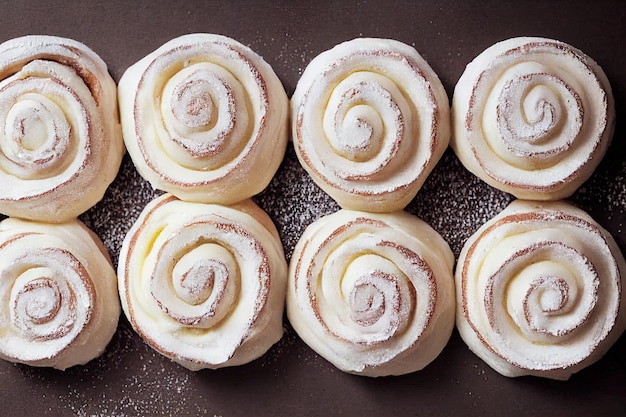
x=292, y=57
x=455, y=202
x=452, y=201
x=112, y=217
x=145, y=383
x=603, y=196
x=294, y=201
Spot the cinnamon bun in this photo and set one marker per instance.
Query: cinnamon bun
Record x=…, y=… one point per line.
x=532, y=117
x=370, y=120
x=204, y=284
x=373, y=293
x=60, y=305
x=539, y=290
x=204, y=118
x=61, y=144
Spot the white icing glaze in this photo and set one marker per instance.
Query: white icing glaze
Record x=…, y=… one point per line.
x=60, y=304
x=204, y=118
x=61, y=144
x=372, y=293
x=204, y=284
x=370, y=121
x=540, y=290
x=532, y=117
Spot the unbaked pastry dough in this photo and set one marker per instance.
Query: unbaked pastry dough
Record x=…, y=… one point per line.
x=373, y=293
x=370, y=120
x=204, y=118
x=60, y=305
x=532, y=117
x=204, y=284
x=60, y=142
x=540, y=290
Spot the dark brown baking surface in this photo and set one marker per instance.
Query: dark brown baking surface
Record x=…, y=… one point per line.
x=290, y=380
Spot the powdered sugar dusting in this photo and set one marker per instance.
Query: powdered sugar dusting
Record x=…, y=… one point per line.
x=131, y=379
x=291, y=206
x=452, y=200
x=604, y=196
x=145, y=384
x=455, y=202
x=112, y=217
x=292, y=57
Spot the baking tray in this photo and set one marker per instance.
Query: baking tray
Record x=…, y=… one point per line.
x=130, y=379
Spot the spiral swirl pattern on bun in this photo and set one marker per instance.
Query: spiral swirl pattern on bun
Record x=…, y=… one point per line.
x=60, y=304
x=60, y=143
x=204, y=284
x=373, y=293
x=370, y=120
x=204, y=118
x=532, y=117
x=540, y=290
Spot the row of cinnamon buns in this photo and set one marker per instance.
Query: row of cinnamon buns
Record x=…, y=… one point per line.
x=202, y=275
